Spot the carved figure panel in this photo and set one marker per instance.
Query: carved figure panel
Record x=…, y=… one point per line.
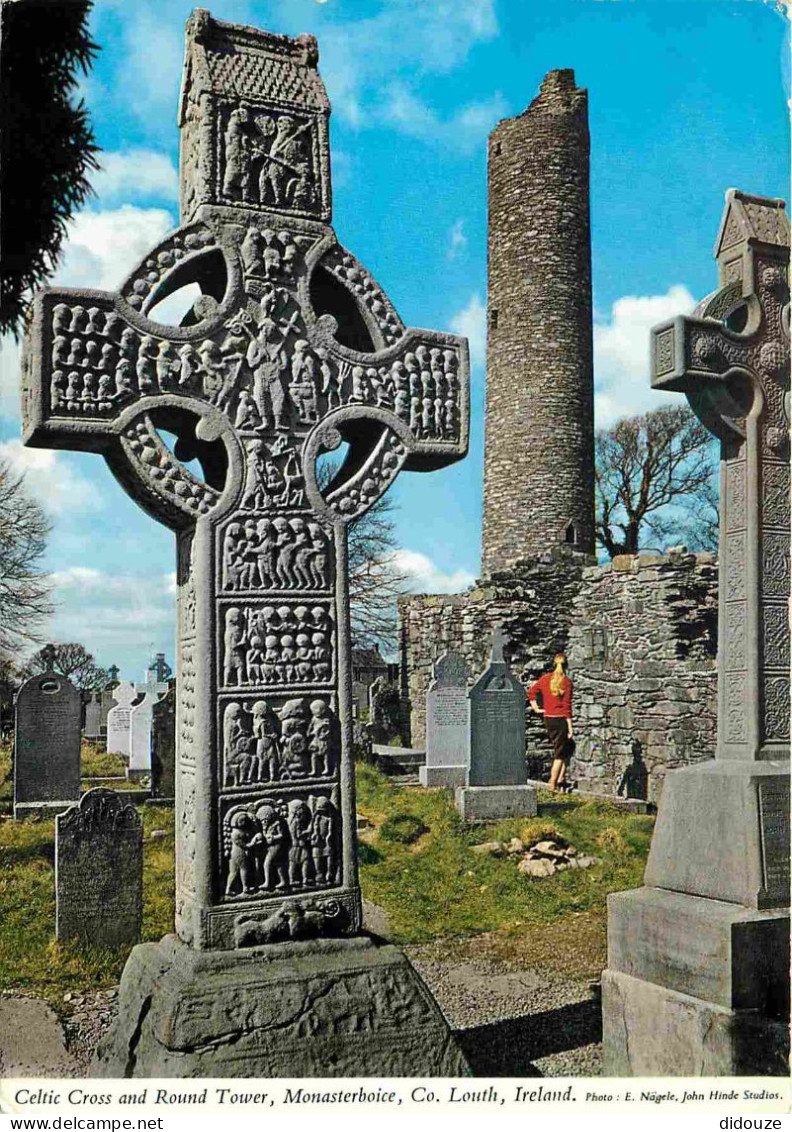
x=281, y=553
x=274, y=740
x=269, y=646
x=281, y=845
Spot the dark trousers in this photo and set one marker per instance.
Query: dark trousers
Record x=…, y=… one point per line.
x=558, y=734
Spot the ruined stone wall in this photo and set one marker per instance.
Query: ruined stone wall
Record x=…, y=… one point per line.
x=641, y=635
x=642, y=652
x=539, y=448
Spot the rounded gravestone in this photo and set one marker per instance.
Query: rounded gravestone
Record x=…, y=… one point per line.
x=47, y=743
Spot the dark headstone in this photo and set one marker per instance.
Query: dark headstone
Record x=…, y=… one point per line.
x=497, y=724
x=99, y=871
x=47, y=743
x=163, y=746
x=93, y=716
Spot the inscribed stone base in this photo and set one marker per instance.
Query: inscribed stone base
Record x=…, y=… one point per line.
x=448, y=776
x=488, y=803
x=41, y=809
x=319, y=1008
x=730, y=956
x=723, y=832
x=652, y=1031
x=133, y=775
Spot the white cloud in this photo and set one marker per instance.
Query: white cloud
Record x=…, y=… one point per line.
x=457, y=240
x=423, y=576
x=471, y=323
x=135, y=174
x=128, y=613
x=51, y=478
x=362, y=58
x=406, y=112
x=104, y=245
x=621, y=353
x=9, y=378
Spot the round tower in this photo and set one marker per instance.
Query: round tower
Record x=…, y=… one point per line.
x=539, y=431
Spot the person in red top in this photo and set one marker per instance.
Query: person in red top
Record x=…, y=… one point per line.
x=556, y=691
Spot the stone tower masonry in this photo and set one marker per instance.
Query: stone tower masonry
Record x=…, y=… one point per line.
x=539, y=454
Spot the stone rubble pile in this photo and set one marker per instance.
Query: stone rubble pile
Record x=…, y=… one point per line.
x=542, y=859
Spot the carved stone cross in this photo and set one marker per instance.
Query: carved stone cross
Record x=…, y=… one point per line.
x=731, y=359
x=291, y=349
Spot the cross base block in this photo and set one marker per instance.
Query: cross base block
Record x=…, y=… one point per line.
x=653, y=1031
x=490, y=803
x=318, y=1008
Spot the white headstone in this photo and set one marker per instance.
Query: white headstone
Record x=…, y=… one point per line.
x=118, y=718
x=140, y=722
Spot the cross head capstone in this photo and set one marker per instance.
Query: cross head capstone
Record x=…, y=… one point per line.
x=291, y=350
x=731, y=359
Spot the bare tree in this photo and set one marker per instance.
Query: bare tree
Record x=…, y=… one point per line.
x=654, y=477
x=375, y=580
x=24, y=587
x=70, y=659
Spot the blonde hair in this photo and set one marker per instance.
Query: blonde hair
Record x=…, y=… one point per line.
x=559, y=674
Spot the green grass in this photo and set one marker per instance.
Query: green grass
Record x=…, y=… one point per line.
x=30, y=958
x=415, y=862
x=95, y=762
x=436, y=887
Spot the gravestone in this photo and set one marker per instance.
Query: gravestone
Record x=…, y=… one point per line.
x=93, y=716
x=447, y=723
x=107, y=698
x=291, y=350
x=46, y=743
x=140, y=721
x=384, y=710
x=119, y=718
x=163, y=745
x=495, y=780
x=99, y=871
x=162, y=671
x=698, y=959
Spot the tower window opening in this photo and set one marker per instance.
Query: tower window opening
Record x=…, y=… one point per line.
x=496, y=148
x=571, y=535
x=493, y=318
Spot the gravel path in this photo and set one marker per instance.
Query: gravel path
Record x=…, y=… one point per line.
x=510, y=1022
x=513, y=1022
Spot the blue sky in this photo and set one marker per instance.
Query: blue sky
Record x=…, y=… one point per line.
x=686, y=98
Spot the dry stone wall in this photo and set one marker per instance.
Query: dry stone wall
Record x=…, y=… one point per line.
x=641, y=634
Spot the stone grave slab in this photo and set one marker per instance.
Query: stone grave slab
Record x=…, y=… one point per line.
x=698, y=970
x=93, y=716
x=99, y=871
x=447, y=723
x=47, y=744
x=291, y=350
x=163, y=745
x=107, y=698
x=496, y=778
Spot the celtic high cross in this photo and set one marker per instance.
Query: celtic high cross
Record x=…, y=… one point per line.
x=731, y=359
x=291, y=350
